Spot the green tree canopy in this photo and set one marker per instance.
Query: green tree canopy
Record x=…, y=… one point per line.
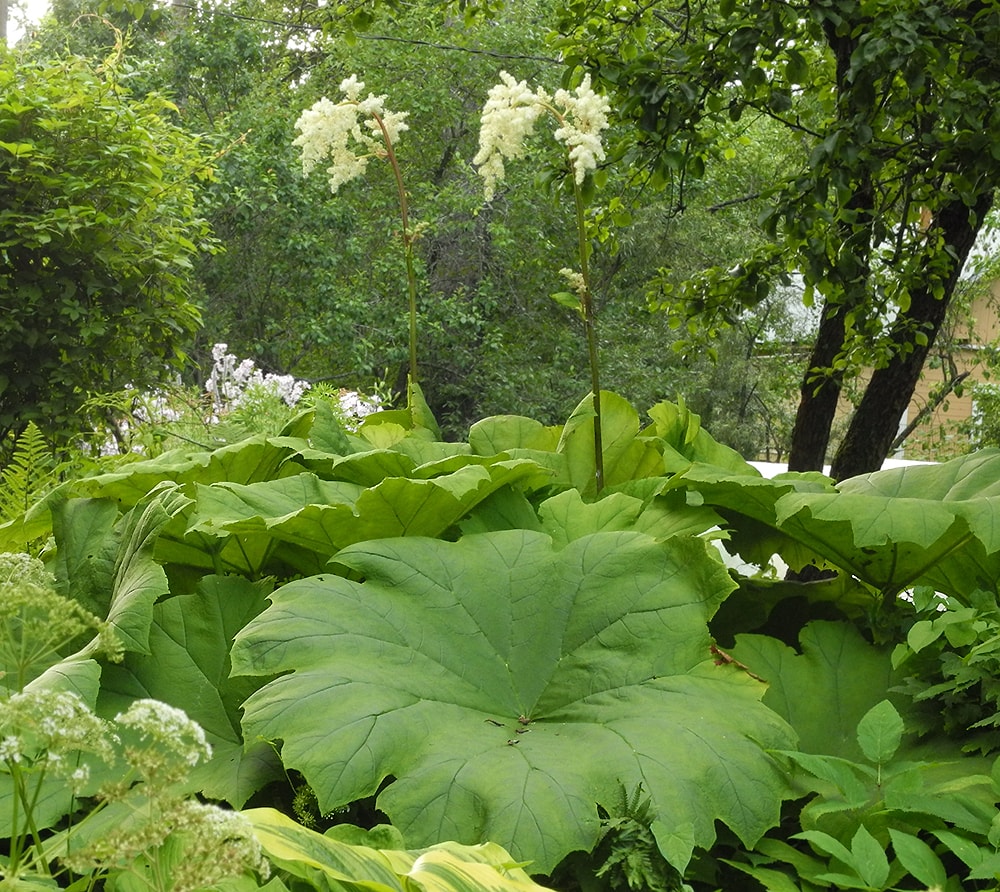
x=893, y=105
x=97, y=235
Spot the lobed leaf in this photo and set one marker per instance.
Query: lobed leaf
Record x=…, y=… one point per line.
x=188, y=667
x=823, y=691
x=508, y=685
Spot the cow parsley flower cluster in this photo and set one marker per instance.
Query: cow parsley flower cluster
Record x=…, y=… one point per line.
x=219, y=844
x=509, y=116
x=52, y=743
x=332, y=132
x=46, y=732
x=161, y=743
x=36, y=622
x=160, y=746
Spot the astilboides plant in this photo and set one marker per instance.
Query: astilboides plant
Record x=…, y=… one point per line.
x=332, y=132
x=507, y=120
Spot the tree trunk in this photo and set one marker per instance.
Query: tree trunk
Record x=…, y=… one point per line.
x=819, y=395
x=821, y=384
x=818, y=401
x=876, y=421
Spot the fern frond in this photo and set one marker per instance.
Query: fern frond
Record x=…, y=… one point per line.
x=28, y=474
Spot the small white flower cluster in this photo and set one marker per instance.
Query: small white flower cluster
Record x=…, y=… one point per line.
x=216, y=844
x=156, y=407
x=575, y=280
x=232, y=381
x=18, y=568
x=50, y=734
x=143, y=408
x=509, y=116
x=232, y=378
x=45, y=730
x=357, y=407
x=170, y=743
x=161, y=745
x=220, y=844
x=328, y=128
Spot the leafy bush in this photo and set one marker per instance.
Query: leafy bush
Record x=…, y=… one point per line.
x=98, y=223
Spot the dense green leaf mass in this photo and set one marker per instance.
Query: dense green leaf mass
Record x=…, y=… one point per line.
x=98, y=232
x=891, y=167
x=500, y=652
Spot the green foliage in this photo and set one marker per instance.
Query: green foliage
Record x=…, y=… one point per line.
x=628, y=854
x=823, y=688
x=949, y=663
x=985, y=427
x=117, y=787
x=877, y=206
x=925, y=811
x=428, y=626
x=97, y=236
x=472, y=635
x=311, y=285
x=891, y=530
x=543, y=696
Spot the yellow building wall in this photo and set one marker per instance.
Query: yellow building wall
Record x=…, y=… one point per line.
x=942, y=435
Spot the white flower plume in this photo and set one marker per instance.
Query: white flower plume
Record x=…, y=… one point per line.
x=509, y=116
x=331, y=132
x=575, y=280
x=584, y=117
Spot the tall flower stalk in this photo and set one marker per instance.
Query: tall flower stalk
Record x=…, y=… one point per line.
x=508, y=117
x=333, y=132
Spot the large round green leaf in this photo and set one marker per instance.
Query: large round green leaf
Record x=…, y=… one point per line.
x=933, y=525
x=508, y=687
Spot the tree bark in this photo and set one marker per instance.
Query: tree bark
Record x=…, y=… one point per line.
x=819, y=398
x=876, y=421
x=819, y=395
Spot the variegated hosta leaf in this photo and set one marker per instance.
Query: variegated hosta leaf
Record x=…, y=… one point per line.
x=447, y=867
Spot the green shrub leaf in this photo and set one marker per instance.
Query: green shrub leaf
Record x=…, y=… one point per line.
x=869, y=859
x=879, y=732
x=918, y=858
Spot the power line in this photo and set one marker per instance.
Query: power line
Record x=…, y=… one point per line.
x=445, y=47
